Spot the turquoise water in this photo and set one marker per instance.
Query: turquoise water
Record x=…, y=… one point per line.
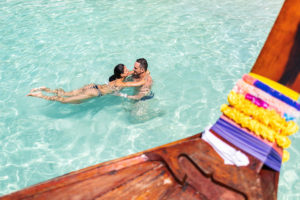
x=195, y=50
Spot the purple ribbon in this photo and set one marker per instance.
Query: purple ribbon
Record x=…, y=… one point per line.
x=248, y=143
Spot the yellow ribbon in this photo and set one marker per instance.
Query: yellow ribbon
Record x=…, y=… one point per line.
x=270, y=118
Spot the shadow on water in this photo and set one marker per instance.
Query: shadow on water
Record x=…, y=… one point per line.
x=89, y=107
x=143, y=111
x=135, y=111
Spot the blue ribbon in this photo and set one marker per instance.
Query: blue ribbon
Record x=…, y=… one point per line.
x=276, y=94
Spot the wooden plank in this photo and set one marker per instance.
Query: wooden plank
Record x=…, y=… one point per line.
x=93, y=187
x=104, y=181
x=89, y=186
x=241, y=179
x=269, y=183
x=279, y=59
x=170, y=155
x=86, y=173
x=151, y=185
x=205, y=184
x=185, y=192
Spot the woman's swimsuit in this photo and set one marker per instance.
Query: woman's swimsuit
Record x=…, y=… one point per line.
x=96, y=87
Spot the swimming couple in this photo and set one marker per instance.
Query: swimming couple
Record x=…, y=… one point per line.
x=139, y=78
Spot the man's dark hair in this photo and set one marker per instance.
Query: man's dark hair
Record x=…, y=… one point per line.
x=143, y=63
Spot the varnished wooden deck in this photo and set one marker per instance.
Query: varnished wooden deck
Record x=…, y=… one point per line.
x=186, y=169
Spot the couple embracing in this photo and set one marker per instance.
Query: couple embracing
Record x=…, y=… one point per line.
x=139, y=77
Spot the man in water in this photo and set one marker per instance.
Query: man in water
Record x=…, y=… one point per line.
x=140, y=74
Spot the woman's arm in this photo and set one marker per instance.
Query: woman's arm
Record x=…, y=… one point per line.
x=130, y=73
x=131, y=84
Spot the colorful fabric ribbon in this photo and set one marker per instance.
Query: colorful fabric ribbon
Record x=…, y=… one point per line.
x=259, y=120
x=277, y=86
x=269, y=118
x=248, y=143
x=247, y=78
x=257, y=101
x=230, y=155
x=282, y=108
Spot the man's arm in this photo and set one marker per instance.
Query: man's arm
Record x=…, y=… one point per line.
x=134, y=97
x=138, y=96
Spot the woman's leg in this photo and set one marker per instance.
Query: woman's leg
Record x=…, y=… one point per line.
x=61, y=92
x=45, y=89
x=73, y=99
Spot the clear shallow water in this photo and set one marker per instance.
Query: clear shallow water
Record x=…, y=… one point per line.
x=195, y=49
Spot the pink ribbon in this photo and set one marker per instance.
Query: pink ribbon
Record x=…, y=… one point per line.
x=243, y=88
x=257, y=101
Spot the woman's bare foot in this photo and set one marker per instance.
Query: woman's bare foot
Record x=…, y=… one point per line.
x=38, y=89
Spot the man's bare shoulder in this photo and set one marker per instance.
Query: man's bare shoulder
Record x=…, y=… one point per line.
x=148, y=80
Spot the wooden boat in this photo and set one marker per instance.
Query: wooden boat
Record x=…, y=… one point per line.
x=189, y=168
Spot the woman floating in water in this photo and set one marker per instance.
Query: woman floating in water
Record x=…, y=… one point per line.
x=116, y=83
